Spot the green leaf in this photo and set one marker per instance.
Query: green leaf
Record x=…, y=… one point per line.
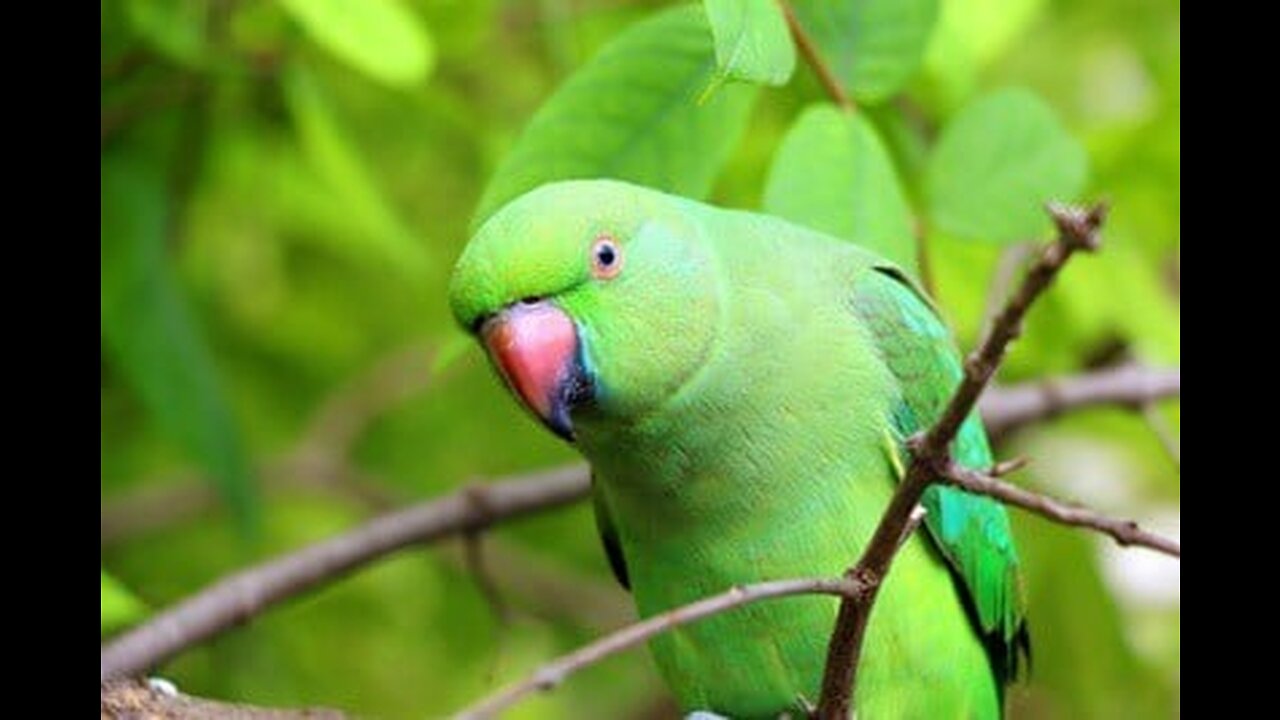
x=119, y=606
x=381, y=38
x=631, y=113
x=333, y=159
x=995, y=166
x=971, y=34
x=175, y=28
x=873, y=46
x=833, y=173
x=148, y=332
x=752, y=40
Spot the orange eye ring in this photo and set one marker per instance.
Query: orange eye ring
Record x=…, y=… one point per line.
x=606, y=258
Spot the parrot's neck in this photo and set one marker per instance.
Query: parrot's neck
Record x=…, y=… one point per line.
x=724, y=491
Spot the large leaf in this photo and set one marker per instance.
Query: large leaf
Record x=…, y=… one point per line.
x=148, y=330
x=833, y=173
x=874, y=46
x=338, y=164
x=752, y=40
x=995, y=166
x=632, y=113
x=119, y=606
x=381, y=38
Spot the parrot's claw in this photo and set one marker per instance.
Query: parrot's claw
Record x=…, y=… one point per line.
x=705, y=715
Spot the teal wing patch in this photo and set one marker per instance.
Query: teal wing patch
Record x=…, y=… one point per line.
x=971, y=531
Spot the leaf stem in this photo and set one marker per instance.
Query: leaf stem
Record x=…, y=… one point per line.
x=809, y=50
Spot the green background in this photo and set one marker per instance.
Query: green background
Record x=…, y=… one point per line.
x=285, y=187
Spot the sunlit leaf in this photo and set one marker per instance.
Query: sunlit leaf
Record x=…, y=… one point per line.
x=970, y=35
x=833, y=173
x=873, y=46
x=119, y=606
x=752, y=41
x=632, y=113
x=149, y=332
x=995, y=166
x=381, y=38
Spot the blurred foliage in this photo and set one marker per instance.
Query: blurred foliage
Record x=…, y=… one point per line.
x=285, y=185
x=119, y=606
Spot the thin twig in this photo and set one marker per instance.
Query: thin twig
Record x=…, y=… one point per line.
x=473, y=555
x=1077, y=230
x=247, y=593
x=1007, y=267
x=552, y=674
x=544, y=589
x=813, y=56
x=1125, y=532
x=1005, y=408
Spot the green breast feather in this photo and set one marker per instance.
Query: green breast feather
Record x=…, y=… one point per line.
x=971, y=531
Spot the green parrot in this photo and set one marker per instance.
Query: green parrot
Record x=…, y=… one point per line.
x=743, y=389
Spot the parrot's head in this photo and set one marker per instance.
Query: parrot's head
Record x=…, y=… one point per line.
x=595, y=299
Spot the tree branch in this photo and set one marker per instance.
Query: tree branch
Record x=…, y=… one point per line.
x=139, y=699
x=1004, y=408
x=553, y=673
x=813, y=56
x=1125, y=532
x=1077, y=230
x=1009, y=407
x=245, y=594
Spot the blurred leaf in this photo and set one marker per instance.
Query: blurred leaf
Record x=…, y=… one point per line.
x=752, y=40
x=833, y=173
x=381, y=38
x=631, y=113
x=1083, y=664
x=995, y=166
x=970, y=34
x=906, y=136
x=119, y=606
x=149, y=332
x=175, y=28
x=873, y=46
x=337, y=162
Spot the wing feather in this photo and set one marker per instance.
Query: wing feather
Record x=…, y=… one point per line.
x=971, y=531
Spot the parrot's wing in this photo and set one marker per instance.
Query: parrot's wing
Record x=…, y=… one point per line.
x=972, y=531
x=609, y=535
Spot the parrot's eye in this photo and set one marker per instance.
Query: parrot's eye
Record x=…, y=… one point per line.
x=606, y=257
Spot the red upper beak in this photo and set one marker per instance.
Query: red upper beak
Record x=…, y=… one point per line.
x=535, y=348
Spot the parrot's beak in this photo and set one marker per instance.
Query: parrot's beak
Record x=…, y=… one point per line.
x=536, y=349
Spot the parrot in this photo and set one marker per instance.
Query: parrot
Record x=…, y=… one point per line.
x=743, y=389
